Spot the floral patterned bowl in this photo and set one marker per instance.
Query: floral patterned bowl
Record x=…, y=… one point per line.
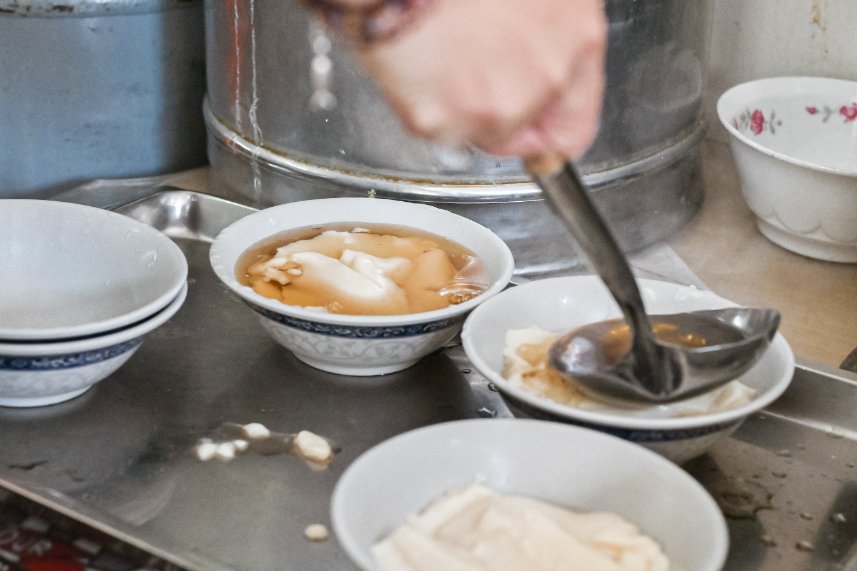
x=358, y=345
x=674, y=430
x=794, y=140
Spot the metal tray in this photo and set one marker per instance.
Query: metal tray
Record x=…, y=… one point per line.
x=120, y=457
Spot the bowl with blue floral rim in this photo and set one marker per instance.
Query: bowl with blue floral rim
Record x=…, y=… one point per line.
x=348, y=344
x=679, y=431
x=39, y=373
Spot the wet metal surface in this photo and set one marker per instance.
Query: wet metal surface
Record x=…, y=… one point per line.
x=121, y=457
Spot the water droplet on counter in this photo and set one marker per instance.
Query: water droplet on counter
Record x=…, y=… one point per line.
x=804, y=545
x=806, y=516
x=838, y=518
x=741, y=499
x=850, y=464
x=466, y=371
x=785, y=452
x=768, y=540
x=834, y=433
x=492, y=387
x=778, y=474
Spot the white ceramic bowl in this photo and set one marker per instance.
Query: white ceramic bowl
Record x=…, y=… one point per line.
x=573, y=467
x=69, y=270
x=359, y=344
x=562, y=304
x=43, y=373
x=794, y=140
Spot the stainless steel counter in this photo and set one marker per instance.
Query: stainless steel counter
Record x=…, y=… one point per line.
x=120, y=458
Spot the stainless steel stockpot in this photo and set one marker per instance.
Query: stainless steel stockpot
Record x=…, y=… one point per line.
x=268, y=145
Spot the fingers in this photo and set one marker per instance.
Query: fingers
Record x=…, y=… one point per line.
x=565, y=122
x=567, y=125
x=530, y=81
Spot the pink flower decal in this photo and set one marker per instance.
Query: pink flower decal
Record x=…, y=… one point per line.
x=849, y=112
x=757, y=122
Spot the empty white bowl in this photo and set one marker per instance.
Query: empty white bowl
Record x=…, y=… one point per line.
x=70, y=270
x=794, y=140
x=44, y=373
x=572, y=467
x=562, y=304
x=359, y=344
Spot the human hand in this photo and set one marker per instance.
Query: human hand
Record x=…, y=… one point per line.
x=511, y=77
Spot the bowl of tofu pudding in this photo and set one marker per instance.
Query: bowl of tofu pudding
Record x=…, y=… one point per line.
x=500, y=494
x=360, y=286
x=508, y=338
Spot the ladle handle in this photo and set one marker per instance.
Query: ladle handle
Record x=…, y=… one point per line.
x=565, y=191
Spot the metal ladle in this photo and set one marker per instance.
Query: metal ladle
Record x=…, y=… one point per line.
x=652, y=371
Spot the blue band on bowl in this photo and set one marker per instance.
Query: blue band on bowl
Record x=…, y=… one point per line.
x=358, y=331
x=632, y=434
x=68, y=361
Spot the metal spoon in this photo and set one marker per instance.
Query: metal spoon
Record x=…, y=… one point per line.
x=652, y=370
